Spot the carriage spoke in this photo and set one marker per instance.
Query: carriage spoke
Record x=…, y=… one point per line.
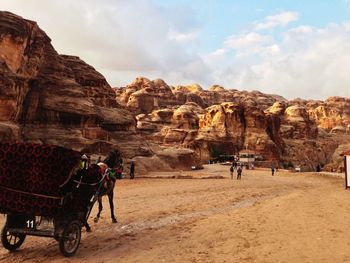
x=71, y=239
x=10, y=240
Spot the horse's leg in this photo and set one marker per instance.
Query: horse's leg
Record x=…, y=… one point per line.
x=99, y=209
x=111, y=205
x=87, y=226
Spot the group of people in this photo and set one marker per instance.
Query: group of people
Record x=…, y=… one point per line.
x=237, y=167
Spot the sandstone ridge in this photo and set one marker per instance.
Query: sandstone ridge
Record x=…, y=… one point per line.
x=224, y=121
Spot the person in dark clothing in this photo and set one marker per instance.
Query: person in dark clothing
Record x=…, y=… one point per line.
x=234, y=164
x=239, y=173
x=272, y=170
x=318, y=168
x=132, y=170
x=231, y=172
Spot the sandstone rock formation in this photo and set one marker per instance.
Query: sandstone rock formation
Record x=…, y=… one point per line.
x=51, y=98
x=144, y=95
x=224, y=121
x=334, y=112
x=41, y=86
x=337, y=162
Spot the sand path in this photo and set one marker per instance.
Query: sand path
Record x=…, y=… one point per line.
x=285, y=218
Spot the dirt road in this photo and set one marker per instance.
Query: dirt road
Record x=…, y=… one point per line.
x=261, y=218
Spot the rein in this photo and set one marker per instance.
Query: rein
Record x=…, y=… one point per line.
x=92, y=184
x=29, y=193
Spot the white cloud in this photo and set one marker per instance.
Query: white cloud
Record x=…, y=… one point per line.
x=117, y=36
x=274, y=49
x=182, y=37
x=281, y=19
x=309, y=62
x=245, y=45
x=126, y=39
x=246, y=40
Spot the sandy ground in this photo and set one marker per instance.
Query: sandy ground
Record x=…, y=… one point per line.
x=289, y=217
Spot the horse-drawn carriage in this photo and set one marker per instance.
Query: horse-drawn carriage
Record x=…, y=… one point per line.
x=42, y=194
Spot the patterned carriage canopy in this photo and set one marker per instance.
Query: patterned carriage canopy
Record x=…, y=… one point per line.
x=29, y=171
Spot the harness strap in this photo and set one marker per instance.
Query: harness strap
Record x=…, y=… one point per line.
x=80, y=182
x=33, y=194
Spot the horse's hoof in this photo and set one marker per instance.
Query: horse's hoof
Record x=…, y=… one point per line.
x=96, y=219
x=114, y=220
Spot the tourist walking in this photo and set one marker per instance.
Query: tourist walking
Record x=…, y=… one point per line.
x=231, y=172
x=272, y=170
x=234, y=164
x=318, y=168
x=132, y=170
x=239, y=172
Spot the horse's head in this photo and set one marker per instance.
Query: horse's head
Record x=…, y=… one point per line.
x=113, y=159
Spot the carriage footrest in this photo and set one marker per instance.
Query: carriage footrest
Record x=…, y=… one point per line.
x=40, y=233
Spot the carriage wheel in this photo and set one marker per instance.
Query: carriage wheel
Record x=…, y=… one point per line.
x=70, y=240
x=11, y=241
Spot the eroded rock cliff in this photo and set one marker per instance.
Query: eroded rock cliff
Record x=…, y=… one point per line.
x=221, y=121
x=52, y=98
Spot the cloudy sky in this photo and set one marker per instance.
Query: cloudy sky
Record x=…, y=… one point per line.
x=294, y=48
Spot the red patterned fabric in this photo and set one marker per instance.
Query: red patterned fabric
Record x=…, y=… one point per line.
x=37, y=169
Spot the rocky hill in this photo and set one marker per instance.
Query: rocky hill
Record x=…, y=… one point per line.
x=224, y=121
x=46, y=97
